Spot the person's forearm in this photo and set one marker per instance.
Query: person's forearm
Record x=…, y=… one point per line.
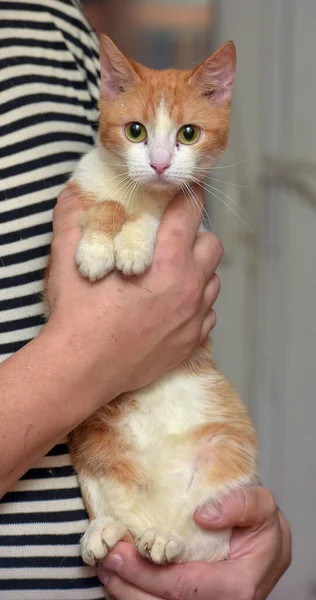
x=46, y=389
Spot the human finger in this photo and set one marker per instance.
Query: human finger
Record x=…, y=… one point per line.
x=207, y=253
x=198, y=581
x=286, y=552
x=181, y=220
x=68, y=211
x=120, y=589
x=211, y=293
x=246, y=507
x=207, y=326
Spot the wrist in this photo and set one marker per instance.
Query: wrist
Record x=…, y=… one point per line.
x=87, y=373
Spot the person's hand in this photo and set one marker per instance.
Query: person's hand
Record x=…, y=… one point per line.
x=131, y=330
x=260, y=552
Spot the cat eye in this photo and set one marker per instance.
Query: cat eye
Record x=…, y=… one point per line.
x=135, y=132
x=188, y=134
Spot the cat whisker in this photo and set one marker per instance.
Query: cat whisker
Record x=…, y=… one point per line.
x=126, y=187
x=214, y=167
x=196, y=205
x=135, y=190
x=117, y=176
x=131, y=190
x=124, y=191
x=226, y=204
x=237, y=185
x=240, y=162
x=110, y=164
x=187, y=195
x=208, y=170
x=211, y=187
x=124, y=179
x=203, y=210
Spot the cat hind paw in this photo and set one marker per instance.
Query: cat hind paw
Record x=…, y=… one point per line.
x=100, y=537
x=160, y=548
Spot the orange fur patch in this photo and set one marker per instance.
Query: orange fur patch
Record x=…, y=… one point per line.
x=227, y=448
x=134, y=218
x=106, y=217
x=98, y=449
x=225, y=452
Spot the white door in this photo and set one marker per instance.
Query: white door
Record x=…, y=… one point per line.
x=266, y=336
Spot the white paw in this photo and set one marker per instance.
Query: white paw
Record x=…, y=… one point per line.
x=100, y=537
x=95, y=258
x=160, y=548
x=133, y=254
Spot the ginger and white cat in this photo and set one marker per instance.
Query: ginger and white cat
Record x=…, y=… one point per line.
x=148, y=459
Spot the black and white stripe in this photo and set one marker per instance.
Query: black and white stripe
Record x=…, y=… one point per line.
x=48, y=118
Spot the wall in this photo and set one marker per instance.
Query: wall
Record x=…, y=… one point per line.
x=276, y=99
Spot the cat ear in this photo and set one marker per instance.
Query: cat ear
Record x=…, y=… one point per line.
x=117, y=73
x=215, y=76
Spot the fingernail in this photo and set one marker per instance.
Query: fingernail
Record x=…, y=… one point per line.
x=113, y=562
x=209, y=512
x=104, y=576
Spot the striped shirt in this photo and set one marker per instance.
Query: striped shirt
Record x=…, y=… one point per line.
x=49, y=81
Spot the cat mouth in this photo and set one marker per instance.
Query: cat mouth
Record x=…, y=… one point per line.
x=161, y=182
x=162, y=179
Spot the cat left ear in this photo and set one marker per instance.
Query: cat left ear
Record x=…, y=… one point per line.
x=215, y=76
x=117, y=73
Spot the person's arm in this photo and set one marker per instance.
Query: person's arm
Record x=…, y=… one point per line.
x=105, y=338
x=260, y=553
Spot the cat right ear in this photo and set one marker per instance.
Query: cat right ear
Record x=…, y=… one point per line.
x=117, y=73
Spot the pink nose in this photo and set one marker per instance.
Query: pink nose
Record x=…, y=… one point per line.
x=160, y=167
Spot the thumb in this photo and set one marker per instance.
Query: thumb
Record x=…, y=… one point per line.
x=246, y=507
x=66, y=237
x=183, y=216
x=68, y=211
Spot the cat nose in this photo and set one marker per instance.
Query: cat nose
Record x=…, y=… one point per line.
x=160, y=167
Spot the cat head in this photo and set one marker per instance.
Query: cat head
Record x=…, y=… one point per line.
x=166, y=128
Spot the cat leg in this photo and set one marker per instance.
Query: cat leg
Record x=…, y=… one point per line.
x=134, y=245
x=130, y=516
x=103, y=531
x=95, y=252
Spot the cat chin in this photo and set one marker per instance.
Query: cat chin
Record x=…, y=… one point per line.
x=161, y=186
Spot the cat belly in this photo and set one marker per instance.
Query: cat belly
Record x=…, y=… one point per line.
x=174, y=446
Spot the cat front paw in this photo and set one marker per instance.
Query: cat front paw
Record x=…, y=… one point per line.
x=95, y=258
x=133, y=254
x=160, y=548
x=100, y=537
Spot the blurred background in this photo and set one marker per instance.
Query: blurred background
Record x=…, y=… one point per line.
x=262, y=204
